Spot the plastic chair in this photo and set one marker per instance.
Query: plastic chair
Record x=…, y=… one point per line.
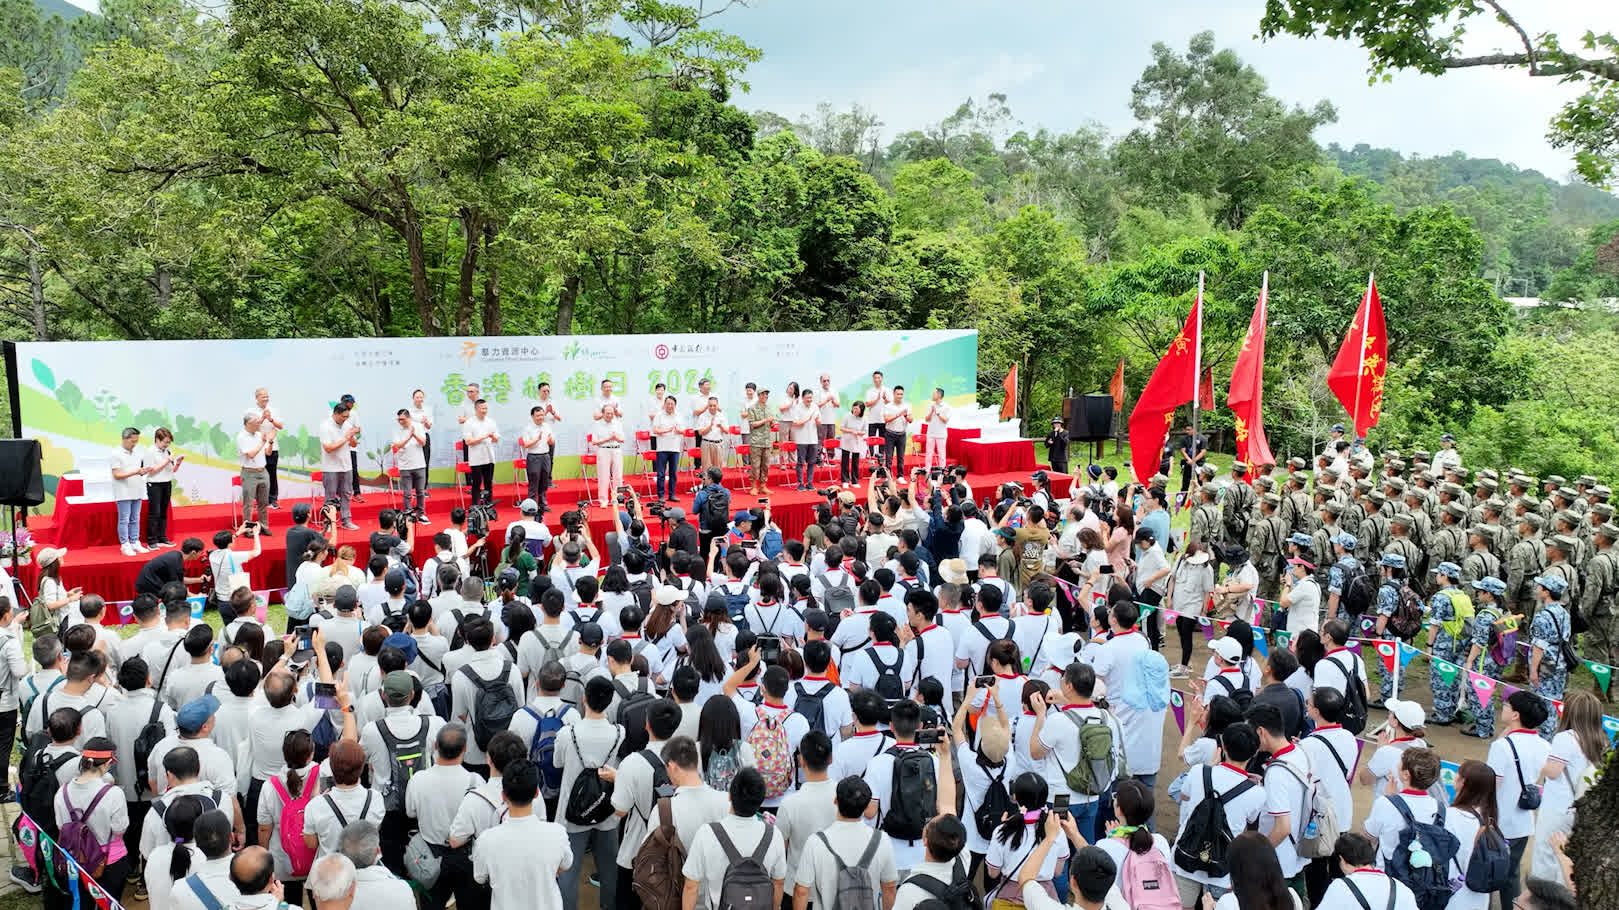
x=648, y=464
x=693, y=454
x=874, y=451
x=786, y=454
x=316, y=490
x=588, y=461
x=395, y=499
x=831, y=447
x=643, y=444
x=238, y=501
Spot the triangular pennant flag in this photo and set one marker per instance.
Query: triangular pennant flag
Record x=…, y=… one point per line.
x=1208, y=627
x=1260, y=644
x=1447, y=671
x=1284, y=638
x=1610, y=724
x=1558, y=705
x=1144, y=609
x=1408, y=653
x=1178, y=703
x=1222, y=623
x=1603, y=674
x=1483, y=685
x=1367, y=624
x=1507, y=690
x=1385, y=653
x=1447, y=776
x=1170, y=616
x=1360, y=746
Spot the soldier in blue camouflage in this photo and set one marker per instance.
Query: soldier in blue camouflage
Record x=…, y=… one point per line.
x=1388, y=600
x=1448, y=613
x=1343, y=568
x=1552, y=626
x=1488, y=622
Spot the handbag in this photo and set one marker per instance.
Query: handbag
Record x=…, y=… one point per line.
x=423, y=861
x=1528, y=794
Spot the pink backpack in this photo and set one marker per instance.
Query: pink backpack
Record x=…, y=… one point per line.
x=772, y=754
x=1147, y=882
x=290, y=826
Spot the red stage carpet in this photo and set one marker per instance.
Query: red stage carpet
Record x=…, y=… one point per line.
x=103, y=570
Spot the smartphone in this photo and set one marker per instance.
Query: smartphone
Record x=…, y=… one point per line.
x=930, y=736
x=1060, y=804
x=1106, y=568
x=325, y=697
x=985, y=682
x=769, y=649
x=305, y=650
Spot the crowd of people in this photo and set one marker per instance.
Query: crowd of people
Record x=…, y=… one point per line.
x=917, y=702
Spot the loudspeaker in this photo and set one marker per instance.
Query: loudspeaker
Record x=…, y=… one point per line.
x=1090, y=419
x=20, y=482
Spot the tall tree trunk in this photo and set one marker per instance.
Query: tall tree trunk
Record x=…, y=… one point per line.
x=565, y=302
x=491, y=281
x=163, y=281
x=472, y=236
x=1590, y=843
x=36, y=287
x=419, y=286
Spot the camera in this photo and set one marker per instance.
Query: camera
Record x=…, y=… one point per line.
x=930, y=736
x=769, y=649
x=572, y=520
x=656, y=510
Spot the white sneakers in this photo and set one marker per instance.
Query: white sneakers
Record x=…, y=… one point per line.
x=126, y=549
x=140, y=547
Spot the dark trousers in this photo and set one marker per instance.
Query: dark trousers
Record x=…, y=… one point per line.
x=8, y=738
x=849, y=466
x=137, y=824
x=627, y=898
x=538, y=468
x=666, y=465
x=157, y=512
x=482, y=482
x=894, y=454
x=455, y=877
x=1155, y=621
x=250, y=805
x=271, y=462
x=808, y=455
x=1509, y=894
x=427, y=451
x=1318, y=875
x=1185, y=626
x=1186, y=475
x=354, y=471
x=393, y=834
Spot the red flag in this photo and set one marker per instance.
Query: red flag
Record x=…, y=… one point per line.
x=1116, y=387
x=1247, y=393
x=1205, y=395
x=1009, y=386
x=1358, y=370
x=1170, y=387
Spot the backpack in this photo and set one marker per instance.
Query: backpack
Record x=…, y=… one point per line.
x=542, y=748
x=1317, y=836
x=36, y=777
x=1356, y=599
x=494, y=704
x=722, y=767
x=642, y=589
x=997, y=803
x=1407, y=619
x=746, y=885
x=736, y=604
x=405, y=758
x=153, y=731
x=478, y=521
x=299, y=601
x=556, y=652
x=1489, y=867
x=1205, y=840
x=1462, y=606
x=1243, y=696
x=289, y=828
x=1429, y=880
x=772, y=754
x=956, y=894
x=656, y=872
x=716, y=509
x=34, y=695
x=437, y=692
x=853, y=884
x=1354, y=719
x=324, y=735
x=812, y=706
x=1093, y=773
x=632, y=712
x=78, y=840
x=590, y=802
x=888, y=684
x=912, y=796
x=837, y=599
x=1147, y=882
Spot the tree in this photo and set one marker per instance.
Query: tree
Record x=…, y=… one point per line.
x=1427, y=36
x=938, y=195
x=1211, y=129
x=1594, y=273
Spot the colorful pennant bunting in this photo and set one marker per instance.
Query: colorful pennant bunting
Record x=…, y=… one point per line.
x=1177, y=701
x=1483, y=685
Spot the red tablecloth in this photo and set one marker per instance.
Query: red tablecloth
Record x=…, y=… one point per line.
x=953, y=439
x=998, y=456
x=83, y=524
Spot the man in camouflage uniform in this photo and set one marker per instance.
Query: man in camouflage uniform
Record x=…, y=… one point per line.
x=1421, y=531
x=1205, y=527
x=1266, y=539
x=1553, y=499
x=1344, y=567
x=1487, y=623
x=1393, y=496
x=1520, y=508
x=1449, y=492
x=1560, y=551
x=1262, y=485
x=1354, y=511
x=1480, y=561
x=1600, y=513
x=1236, y=507
x=1501, y=539
x=1483, y=492
x=1599, y=603
x=1449, y=543
x=1295, y=510
x=1599, y=493
x=1410, y=554
x=1457, y=478
x=1567, y=524
x=1582, y=492
x=1446, y=637
x=1327, y=528
x=1524, y=563
x=1430, y=496
x=1374, y=531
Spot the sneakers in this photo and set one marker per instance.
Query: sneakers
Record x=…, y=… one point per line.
x=141, y=548
x=126, y=549
x=25, y=879
x=1180, y=671
x=276, y=506
x=350, y=526
x=139, y=881
x=424, y=520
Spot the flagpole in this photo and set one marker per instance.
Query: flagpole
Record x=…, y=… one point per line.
x=1360, y=361
x=1197, y=359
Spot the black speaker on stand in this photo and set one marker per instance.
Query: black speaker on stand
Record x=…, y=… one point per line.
x=1090, y=419
x=21, y=484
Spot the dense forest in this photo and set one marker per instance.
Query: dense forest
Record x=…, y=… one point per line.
x=303, y=168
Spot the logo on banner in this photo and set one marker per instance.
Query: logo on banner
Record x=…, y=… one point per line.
x=661, y=352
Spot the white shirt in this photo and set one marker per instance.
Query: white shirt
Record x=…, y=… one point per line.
x=668, y=432
x=1385, y=822
x=464, y=693
x=479, y=452
x=213, y=874
x=520, y=859
x=270, y=727
x=694, y=808
x=1304, y=606
x=1329, y=675
x=536, y=439
x=601, y=406
x=817, y=869
x=1285, y=798
x=133, y=486
x=972, y=644
x=409, y=440
x=1532, y=753
x=375, y=888
x=1321, y=746
x=246, y=442
x=711, y=427
x=596, y=741
x=876, y=398
x=806, y=811
x=879, y=777
x=941, y=417
x=433, y=796
x=124, y=722
x=1010, y=859
x=706, y=863
x=896, y=417
x=1239, y=812
x=633, y=795
x=321, y=821
x=154, y=457
x=1373, y=886
x=602, y=432
x=807, y=434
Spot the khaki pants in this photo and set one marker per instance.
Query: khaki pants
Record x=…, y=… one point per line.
x=759, y=460
x=713, y=455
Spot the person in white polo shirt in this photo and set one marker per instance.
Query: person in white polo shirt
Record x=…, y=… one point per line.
x=410, y=456
x=337, y=432
x=668, y=438
x=937, y=418
x=480, y=435
x=802, y=420
x=826, y=406
x=537, y=441
x=1517, y=758
x=896, y=425
x=128, y=489
x=846, y=843
x=607, y=435
x=877, y=398
x=520, y=858
x=270, y=425
x=1242, y=800
x=1363, y=883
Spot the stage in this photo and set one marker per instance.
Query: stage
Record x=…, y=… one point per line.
x=105, y=571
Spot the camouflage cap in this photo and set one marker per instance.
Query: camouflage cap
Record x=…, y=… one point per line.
x=1415, y=494
x=1553, y=583
x=1346, y=540
x=1448, y=569
x=1300, y=539
x=1601, y=491
x=1397, y=464
x=1459, y=471
x=1403, y=519
x=1602, y=510
x=1456, y=509
x=1491, y=584
x=1556, y=479
x=1159, y=480
x=1239, y=467
x=1587, y=480
x=1332, y=508
x=1391, y=455
x=1295, y=463
x=1567, y=493
x=1272, y=500
x=1609, y=530
x=1480, y=531
x=1363, y=485
x=1377, y=498
x=1392, y=560
x=1422, y=454
x=1488, y=483
x=1394, y=483
x=1496, y=503
x=1454, y=489
x=1491, y=473
x=1565, y=542
x=1263, y=482
x=1568, y=517
x=1329, y=471
x=1532, y=519
x=1206, y=470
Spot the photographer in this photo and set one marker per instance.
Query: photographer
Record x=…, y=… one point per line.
x=712, y=506
x=632, y=533
x=680, y=537
x=945, y=526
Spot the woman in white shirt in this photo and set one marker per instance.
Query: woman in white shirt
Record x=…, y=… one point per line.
x=176, y=857
x=55, y=599
x=128, y=490
x=1189, y=589
x=1579, y=744
x=1256, y=878
x=225, y=562
x=852, y=444
x=96, y=797
x=1018, y=836
x=1132, y=805
x=1472, y=809
x=160, y=486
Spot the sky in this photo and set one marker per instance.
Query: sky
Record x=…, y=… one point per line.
x=1064, y=63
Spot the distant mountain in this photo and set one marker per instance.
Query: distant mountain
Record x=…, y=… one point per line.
x=59, y=8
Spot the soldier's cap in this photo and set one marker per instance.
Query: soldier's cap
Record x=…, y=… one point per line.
x=1567, y=493
x=1532, y=519
x=1609, y=530
x=1296, y=462
x=1401, y=518
x=1391, y=454
x=1588, y=480
x=1301, y=539
x=1565, y=542
x=1568, y=517
x=1397, y=464
x=1446, y=437
x=1456, y=509
x=1377, y=497
x=1454, y=489
x=1480, y=531
x=1459, y=471
x=1363, y=485
x=1488, y=483
x=1552, y=583
x=1333, y=508
x=1448, y=569
x=1329, y=471
x=1207, y=470
x=1602, y=510
x=1298, y=477
x=1239, y=467
x=1557, y=479
x=1337, y=428
x=1491, y=584
x=1263, y=483
x=1421, y=455
x=1491, y=473
x=1415, y=493
x=1271, y=499
x=1346, y=540
x=1159, y=480
x=1602, y=491
x=1496, y=503
x=1391, y=560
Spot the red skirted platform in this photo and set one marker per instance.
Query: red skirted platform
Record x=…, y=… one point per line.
x=998, y=456
x=103, y=570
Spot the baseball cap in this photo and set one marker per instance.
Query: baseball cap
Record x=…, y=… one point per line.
x=397, y=685
x=346, y=598
x=528, y=507
x=404, y=643
x=667, y=594
x=1228, y=648
x=1408, y=713
x=193, y=714
x=590, y=633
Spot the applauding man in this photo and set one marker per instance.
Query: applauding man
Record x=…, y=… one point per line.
x=668, y=438
x=480, y=436
x=896, y=423
x=410, y=456
x=711, y=428
x=608, y=438
x=537, y=441
x=336, y=435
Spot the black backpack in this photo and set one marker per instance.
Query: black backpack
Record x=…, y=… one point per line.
x=1430, y=883
x=153, y=731
x=37, y=779
x=590, y=801
x=1489, y=867
x=405, y=758
x=888, y=684
x=1354, y=719
x=812, y=705
x=632, y=710
x=1357, y=593
x=1242, y=695
x=717, y=509
x=912, y=796
x=997, y=803
x=642, y=589
x=1203, y=845
x=957, y=894
x=493, y=704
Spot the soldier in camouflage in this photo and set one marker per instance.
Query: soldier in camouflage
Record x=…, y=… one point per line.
x=1327, y=528
x=1480, y=561
x=1524, y=563
x=1600, y=514
x=1206, y=524
x=1236, y=507
x=1483, y=492
x=1344, y=567
x=1449, y=543
x=1295, y=509
x=1457, y=477
x=1582, y=493
x=1599, y=603
x=1560, y=551
x=1410, y=554
x=1265, y=543
x=1374, y=531
x=1566, y=523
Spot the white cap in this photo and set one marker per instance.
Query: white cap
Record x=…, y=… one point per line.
x=667, y=594
x=1408, y=713
x=1229, y=649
